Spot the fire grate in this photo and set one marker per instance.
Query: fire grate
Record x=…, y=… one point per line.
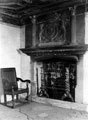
x=58, y=80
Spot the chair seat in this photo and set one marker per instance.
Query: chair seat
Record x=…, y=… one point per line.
x=18, y=91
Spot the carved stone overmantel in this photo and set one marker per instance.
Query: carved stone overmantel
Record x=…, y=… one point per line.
x=56, y=29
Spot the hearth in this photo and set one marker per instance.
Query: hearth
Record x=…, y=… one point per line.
x=58, y=79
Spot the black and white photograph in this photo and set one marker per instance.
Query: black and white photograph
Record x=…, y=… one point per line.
x=43, y=59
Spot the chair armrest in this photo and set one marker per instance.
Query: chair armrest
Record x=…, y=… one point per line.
x=20, y=79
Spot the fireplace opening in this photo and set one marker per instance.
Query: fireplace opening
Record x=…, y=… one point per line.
x=58, y=79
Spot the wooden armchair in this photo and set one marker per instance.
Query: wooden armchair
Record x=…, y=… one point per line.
x=10, y=85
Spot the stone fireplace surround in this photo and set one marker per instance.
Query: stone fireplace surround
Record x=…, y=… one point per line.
x=76, y=52
x=71, y=43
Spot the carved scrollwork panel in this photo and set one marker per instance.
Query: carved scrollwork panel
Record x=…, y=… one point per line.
x=55, y=30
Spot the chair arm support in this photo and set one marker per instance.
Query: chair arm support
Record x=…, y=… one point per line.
x=20, y=79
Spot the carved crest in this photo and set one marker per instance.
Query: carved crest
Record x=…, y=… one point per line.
x=55, y=29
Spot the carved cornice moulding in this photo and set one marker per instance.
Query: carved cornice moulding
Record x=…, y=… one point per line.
x=62, y=51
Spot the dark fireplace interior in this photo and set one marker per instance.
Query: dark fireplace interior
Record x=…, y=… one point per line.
x=58, y=79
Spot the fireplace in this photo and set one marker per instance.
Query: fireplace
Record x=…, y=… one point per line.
x=55, y=71
x=58, y=51
x=58, y=79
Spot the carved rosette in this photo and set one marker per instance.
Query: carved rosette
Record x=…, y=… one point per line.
x=55, y=29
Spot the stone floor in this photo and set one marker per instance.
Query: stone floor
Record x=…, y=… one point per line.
x=36, y=111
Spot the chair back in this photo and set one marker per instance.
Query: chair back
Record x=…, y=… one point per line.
x=8, y=76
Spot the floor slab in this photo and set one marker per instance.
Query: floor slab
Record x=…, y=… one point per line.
x=37, y=111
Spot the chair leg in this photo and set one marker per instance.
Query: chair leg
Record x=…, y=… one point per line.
x=5, y=99
x=13, y=102
x=17, y=97
x=27, y=97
